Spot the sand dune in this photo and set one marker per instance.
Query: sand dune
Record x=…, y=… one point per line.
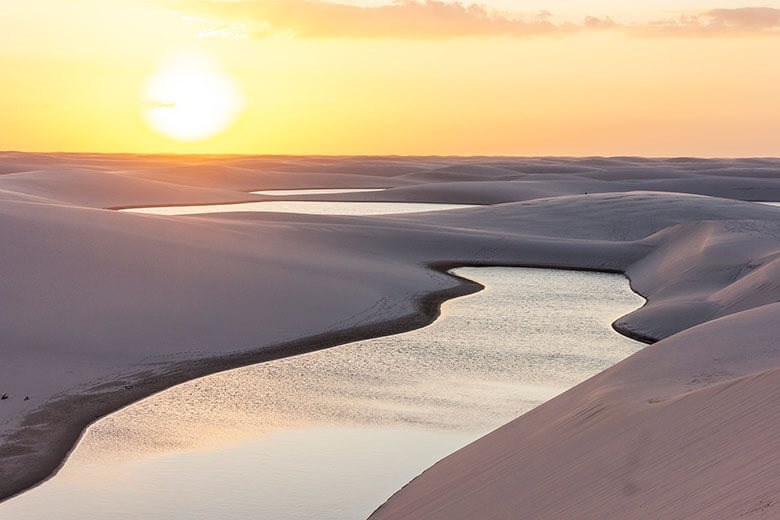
x=684, y=429
x=102, y=308
x=86, y=187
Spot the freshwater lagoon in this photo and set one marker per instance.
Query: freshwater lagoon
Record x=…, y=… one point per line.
x=324, y=191
x=332, y=434
x=310, y=207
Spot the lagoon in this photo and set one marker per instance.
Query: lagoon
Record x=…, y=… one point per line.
x=332, y=434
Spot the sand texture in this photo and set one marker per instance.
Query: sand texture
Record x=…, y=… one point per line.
x=102, y=307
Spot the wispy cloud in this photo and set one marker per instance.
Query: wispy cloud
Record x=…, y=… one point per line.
x=439, y=19
x=428, y=19
x=718, y=22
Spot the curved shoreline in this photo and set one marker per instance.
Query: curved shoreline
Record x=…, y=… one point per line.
x=91, y=407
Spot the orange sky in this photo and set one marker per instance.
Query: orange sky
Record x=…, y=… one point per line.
x=680, y=78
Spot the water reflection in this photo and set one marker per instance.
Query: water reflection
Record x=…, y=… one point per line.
x=292, y=193
x=311, y=207
x=331, y=434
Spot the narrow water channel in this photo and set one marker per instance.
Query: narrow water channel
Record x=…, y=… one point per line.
x=331, y=434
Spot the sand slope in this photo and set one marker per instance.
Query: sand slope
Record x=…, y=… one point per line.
x=686, y=428
x=101, y=308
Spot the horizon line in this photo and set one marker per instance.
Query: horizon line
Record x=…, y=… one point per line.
x=409, y=156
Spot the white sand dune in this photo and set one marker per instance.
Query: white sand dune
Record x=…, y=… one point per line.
x=85, y=187
x=101, y=308
x=686, y=428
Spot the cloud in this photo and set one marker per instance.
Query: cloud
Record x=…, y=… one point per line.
x=719, y=22
x=751, y=18
x=443, y=19
x=426, y=19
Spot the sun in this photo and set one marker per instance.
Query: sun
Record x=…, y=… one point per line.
x=191, y=99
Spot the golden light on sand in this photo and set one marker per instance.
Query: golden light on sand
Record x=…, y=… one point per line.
x=191, y=99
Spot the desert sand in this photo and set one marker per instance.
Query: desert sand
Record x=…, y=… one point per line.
x=103, y=307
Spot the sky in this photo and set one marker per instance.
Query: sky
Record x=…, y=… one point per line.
x=435, y=77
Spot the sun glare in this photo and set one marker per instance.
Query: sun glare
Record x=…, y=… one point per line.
x=191, y=99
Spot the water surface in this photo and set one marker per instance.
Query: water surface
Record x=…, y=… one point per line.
x=311, y=207
x=329, y=191
x=331, y=435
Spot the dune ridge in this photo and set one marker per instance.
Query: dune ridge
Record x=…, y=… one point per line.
x=102, y=308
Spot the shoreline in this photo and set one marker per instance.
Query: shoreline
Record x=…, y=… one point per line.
x=101, y=405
